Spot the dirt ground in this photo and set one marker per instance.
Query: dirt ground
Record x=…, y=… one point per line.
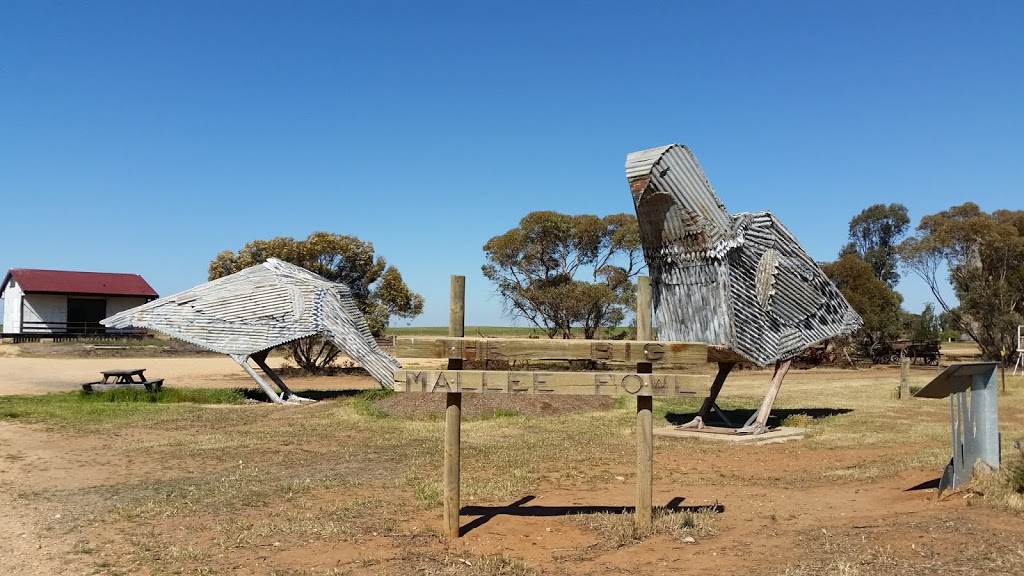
x=781, y=508
x=43, y=375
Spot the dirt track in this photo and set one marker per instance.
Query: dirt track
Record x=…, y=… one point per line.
x=44, y=375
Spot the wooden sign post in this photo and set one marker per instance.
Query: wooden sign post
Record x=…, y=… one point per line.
x=644, y=384
x=453, y=415
x=644, y=417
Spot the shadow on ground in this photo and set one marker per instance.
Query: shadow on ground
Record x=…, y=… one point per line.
x=259, y=396
x=735, y=418
x=517, y=508
x=926, y=485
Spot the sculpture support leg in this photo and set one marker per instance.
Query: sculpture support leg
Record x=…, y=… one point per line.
x=260, y=358
x=758, y=422
x=698, y=422
x=243, y=362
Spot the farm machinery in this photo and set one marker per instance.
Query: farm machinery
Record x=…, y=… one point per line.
x=927, y=351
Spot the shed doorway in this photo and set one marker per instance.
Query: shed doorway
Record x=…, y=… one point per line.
x=84, y=315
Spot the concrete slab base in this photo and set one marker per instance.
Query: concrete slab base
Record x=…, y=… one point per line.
x=775, y=435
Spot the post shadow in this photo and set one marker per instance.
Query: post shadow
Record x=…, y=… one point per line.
x=518, y=508
x=926, y=485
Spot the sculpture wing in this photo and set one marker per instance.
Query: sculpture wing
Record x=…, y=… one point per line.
x=240, y=314
x=801, y=304
x=262, y=307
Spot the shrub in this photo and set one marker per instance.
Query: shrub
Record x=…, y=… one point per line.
x=1015, y=468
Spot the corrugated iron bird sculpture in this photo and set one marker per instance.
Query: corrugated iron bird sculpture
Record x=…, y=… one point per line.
x=740, y=283
x=246, y=314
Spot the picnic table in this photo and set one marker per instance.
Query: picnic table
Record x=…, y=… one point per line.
x=123, y=377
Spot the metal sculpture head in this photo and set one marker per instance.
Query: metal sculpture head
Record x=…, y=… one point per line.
x=680, y=215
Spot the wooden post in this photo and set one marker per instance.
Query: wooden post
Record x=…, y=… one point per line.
x=457, y=315
x=904, y=378
x=644, y=417
x=644, y=463
x=452, y=463
x=453, y=414
x=643, y=308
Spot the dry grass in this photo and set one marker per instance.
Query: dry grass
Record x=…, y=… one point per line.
x=220, y=466
x=310, y=520
x=842, y=554
x=616, y=530
x=1004, y=487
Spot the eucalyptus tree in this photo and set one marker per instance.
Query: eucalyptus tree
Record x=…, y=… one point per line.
x=982, y=255
x=875, y=235
x=876, y=302
x=558, y=271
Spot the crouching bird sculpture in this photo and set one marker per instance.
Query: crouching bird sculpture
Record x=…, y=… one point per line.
x=246, y=314
x=741, y=284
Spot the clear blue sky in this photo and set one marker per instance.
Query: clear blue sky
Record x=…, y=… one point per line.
x=145, y=136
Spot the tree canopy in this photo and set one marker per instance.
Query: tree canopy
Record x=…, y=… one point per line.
x=983, y=255
x=875, y=235
x=377, y=288
x=537, y=269
x=926, y=325
x=876, y=302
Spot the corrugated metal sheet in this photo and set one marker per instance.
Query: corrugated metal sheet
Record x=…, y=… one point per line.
x=670, y=191
x=741, y=283
x=262, y=307
x=67, y=282
x=640, y=163
x=677, y=301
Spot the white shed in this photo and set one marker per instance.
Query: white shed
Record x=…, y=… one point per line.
x=64, y=302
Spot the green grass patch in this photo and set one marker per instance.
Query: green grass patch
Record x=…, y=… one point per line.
x=499, y=413
x=365, y=403
x=118, y=405
x=166, y=396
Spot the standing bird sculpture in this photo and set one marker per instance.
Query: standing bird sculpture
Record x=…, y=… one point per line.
x=741, y=284
x=246, y=314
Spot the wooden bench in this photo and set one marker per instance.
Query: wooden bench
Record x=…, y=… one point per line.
x=121, y=378
x=100, y=386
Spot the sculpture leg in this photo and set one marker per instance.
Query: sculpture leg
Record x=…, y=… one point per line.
x=758, y=422
x=243, y=361
x=698, y=421
x=260, y=358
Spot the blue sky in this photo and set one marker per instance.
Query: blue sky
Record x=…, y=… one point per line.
x=147, y=136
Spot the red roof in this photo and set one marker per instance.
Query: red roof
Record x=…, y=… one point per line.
x=65, y=282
